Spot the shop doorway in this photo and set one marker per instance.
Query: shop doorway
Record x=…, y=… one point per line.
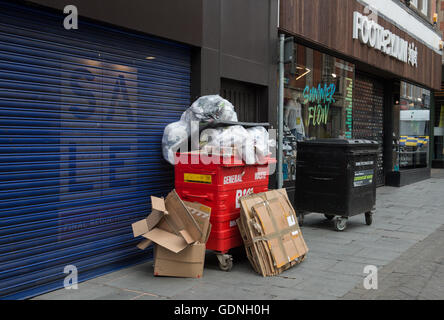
x=368, y=116
x=247, y=99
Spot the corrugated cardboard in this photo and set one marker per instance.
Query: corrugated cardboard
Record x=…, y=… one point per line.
x=170, y=224
x=179, y=230
x=143, y=226
x=144, y=244
x=180, y=218
x=189, y=263
x=166, y=239
x=201, y=215
x=270, y=231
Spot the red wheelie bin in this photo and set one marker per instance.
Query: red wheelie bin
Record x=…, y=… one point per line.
x=219, y=186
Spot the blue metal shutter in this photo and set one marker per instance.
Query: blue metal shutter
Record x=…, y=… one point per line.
x=82, y=114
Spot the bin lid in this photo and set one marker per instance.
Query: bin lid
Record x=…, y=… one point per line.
x=340, y=142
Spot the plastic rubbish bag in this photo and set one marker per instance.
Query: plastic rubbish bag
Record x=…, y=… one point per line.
x=252, y=145
x=231, y=136
x=206, y=108
x=213, y=107
x=175, y=137
x=260, y=139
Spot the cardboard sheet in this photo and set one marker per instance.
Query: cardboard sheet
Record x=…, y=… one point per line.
x=166, y=239
x=272, y=238
x=188, y=263
x=182, y=218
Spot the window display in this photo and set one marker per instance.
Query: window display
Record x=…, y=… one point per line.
x=414, y=123
x=317, y=102
x=439, y=132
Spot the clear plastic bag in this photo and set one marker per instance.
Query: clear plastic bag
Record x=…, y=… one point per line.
x=213, y=107
x=261, y=140
x=252, y=145
x=205, y=108
x=231, y=136
x=175, y=137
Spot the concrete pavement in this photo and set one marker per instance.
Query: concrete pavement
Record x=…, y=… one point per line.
x=407, y=223
x=417, y=274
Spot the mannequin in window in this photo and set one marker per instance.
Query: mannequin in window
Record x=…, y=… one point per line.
x=293, y=118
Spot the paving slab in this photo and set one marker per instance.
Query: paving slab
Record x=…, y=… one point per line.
x=417, y=274
x=405, y=242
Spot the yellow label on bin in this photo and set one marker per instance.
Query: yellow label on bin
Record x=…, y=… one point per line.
x=197, y=178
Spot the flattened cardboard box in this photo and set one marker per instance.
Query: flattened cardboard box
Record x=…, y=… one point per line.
x=272, y=237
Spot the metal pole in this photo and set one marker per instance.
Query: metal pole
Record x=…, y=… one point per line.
x=281, y=110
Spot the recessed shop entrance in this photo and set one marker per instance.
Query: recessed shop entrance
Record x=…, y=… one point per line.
x=248, y=100
x=368, y=116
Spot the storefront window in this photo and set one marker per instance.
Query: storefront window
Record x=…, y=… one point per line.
x=439, y=132
x=317, y=101
x=414, y=127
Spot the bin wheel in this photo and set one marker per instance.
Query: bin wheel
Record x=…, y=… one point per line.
x=225, y=262
x=329, y=216
x=301, y=219
x=368, y=218
x=340, y=223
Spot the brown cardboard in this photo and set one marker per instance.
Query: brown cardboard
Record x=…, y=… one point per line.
x=205, y=240
x=158, y=204
x=154, y=218
x=201, y=215
x=188, y=263
x=143, y=226
x=140, y=227
x=186, y=236
x=277, y=228
x=144, y=244
x=166, y=239
x=173, y=220
x=179, y=217
x=272, y=238
x=179, y=230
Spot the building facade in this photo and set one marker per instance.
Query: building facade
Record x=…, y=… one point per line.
x=362, y=70
x=83, y=112
x=438, y=146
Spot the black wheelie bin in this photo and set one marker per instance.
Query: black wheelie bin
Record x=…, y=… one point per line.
x=336, y=177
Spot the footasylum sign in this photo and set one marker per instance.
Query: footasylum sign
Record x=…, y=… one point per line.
x=372, y=34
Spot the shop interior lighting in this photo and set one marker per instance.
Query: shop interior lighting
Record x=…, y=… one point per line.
x=334, y=75
x=307, y=71
x=150, y=58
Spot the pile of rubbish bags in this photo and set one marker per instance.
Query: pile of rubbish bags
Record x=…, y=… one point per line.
x=252, y=144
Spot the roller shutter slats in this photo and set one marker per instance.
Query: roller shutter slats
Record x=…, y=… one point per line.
x=82, y=115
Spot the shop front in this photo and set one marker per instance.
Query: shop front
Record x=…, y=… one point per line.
x=367, y=76
x=438, y=129
x=318, y=94
x=411, y=133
